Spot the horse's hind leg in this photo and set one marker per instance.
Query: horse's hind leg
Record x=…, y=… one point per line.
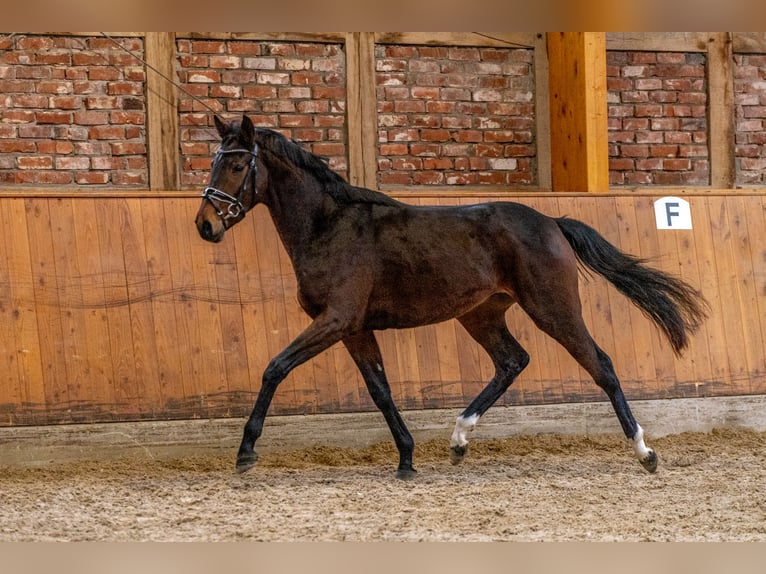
x=558, y=313
x=486, y=324
x=365, y=351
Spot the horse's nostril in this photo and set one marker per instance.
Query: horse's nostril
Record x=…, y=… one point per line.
x=206, y=230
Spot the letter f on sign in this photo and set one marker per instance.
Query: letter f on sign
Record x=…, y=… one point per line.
x=672, y=213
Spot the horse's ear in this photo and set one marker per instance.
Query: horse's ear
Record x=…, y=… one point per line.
x=248, y=131
x=220, y=126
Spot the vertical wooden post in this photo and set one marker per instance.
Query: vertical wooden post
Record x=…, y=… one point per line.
x=721, y=106
x=578, y=110
x=361, y=109
x=162, y=112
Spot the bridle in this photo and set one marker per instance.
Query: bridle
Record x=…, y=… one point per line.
x=216, y=197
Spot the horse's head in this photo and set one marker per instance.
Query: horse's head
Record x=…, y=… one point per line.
x=233, y=187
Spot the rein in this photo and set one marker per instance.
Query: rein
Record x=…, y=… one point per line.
x=216, y=197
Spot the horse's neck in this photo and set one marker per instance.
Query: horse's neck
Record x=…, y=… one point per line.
x=295, y=205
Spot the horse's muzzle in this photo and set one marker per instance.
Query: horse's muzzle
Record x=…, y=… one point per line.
x=208, y=231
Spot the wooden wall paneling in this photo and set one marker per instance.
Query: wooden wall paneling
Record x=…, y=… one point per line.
x=163, y=298
x=226, y=292
x=46, y=291
x=756, y=224
x=194, y=365
x=409, y=384
x=744, y=271
x=652, y=250
x=641, y=329
x=726, y=268
x=90, y=276
x=24, y=310
x=694, y=365
x=613, y=309
x=11, y=392
x=713, y=329
x=128, y=391
x=208, y=308
x=77, y=355
x=140, y=309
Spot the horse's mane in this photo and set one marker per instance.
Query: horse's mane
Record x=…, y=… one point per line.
x=333, y=184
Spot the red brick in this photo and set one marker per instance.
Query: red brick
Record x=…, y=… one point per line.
x=63, y=163
x=17, y=146
x=35, y=162
x=103, y=74
x=91, y=118
x=125, y=89
x=134, y=118
x=395, y=178
x=129, y=178
x=128, y=148
x=663, y=150
x=54, y=177
x=208, y=47
x=425, y=149
x=470, y=136
x=91, y=178
x=101, y=102
x=437, y=163
x=245, y=48
x=676, y=164
x=53, y=117
x=635, y=150
x=427, y=178
x=106, y=132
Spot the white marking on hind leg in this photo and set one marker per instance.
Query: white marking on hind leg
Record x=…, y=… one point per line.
x=642, y=451
x=462, y=427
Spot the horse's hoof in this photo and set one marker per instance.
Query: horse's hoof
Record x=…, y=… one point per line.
x=246, y=461
x=406, y=473
x=457, y=453
x=650, y=462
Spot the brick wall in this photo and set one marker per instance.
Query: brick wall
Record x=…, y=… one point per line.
x=455, y=116
x=657, y=110
x=298, y=89
x=72, y=112
x=750, y=115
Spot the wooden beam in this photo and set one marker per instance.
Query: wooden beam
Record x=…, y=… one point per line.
x=542, y=113
x=578, y=111
x=162, y=111
x=361, y=105
x=721, y=109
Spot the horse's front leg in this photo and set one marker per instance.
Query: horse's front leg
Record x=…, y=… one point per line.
x=366, y=354
x=324, y=332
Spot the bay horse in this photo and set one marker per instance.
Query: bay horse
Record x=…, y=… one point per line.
x=366, y=262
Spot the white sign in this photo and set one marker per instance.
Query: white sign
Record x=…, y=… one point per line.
x=672, y=213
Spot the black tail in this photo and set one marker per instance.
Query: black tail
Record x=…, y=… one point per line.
x=675, y=306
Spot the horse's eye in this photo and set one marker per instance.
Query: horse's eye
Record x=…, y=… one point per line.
x=238, y=168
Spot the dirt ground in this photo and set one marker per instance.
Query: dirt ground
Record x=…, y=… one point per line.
x=709, y=487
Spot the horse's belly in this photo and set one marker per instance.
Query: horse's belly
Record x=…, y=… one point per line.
x=408, y=301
